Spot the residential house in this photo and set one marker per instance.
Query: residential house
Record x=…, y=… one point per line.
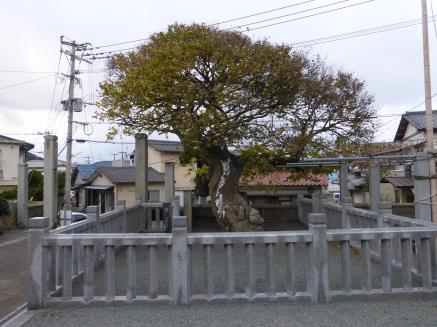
x=280, y=187
x=108, y=185
x=12, y=152
x=412, y=130
x=161, y=152
x=35, y=162
x=82, y=172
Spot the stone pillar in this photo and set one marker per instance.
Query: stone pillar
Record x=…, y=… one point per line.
x=94, y=212
x=50, y=179
x=180, y=288
x=317, y=200
x=318, y=277
x=176, y=207
x=169, y=179
x=36, y=291
x=300, y=213
x=188, y=208
x=422, y=187
x=141, y=168
x=375, y=191
x=22, y=192
x=345, y=196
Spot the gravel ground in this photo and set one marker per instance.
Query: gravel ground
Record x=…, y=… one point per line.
x=395, y=312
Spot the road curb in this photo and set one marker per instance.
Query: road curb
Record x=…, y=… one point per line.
x=16, y=318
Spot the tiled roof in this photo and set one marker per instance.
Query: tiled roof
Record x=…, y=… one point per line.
x=85, y=171
x=9, y=140
x=119, y=175
x=401, y=181
x=415, y=118
x=166, y=146
x=283, y=178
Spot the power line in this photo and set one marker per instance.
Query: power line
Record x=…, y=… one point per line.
x=262, y=13
x=287, y=15
x=118, y=43
x=359, y=33
x=270, y=19
x=23, y=83
x=24, y=71
x=218, y=23
x=248, y=29
x=101, y=141
x=105, y=52
x=52, y=102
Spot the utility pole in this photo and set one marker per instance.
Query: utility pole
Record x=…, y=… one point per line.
x=428, y=107
x=71, y=105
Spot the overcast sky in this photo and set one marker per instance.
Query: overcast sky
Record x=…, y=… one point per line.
x=390, y=63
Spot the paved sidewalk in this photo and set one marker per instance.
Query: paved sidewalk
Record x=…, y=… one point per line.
x=405, y=312
x=13, y=267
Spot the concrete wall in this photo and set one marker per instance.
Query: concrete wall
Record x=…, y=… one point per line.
x=405, y=210
x=35, y=209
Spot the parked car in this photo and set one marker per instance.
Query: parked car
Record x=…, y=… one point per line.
x=75, y=216
x=78, y=216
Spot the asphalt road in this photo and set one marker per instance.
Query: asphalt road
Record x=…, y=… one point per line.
x=404, y=312
x=13, y=270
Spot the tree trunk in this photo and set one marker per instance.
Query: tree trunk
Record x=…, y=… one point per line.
x=230, y=207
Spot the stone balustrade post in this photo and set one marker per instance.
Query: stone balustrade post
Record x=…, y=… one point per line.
x=94, y=212
x=318, y=277
x=122, y=204
x=169, y=182
x=180, y=287
x=188, y=208
x=22, y=193
x=300, y=212
x=375, y=191
x=50, y=179
x=176, y=208
x=422, y=187
x=317, y=200
x=141, y=168
x=36, y=292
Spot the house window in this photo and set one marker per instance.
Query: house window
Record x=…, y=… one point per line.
x=154, y=196
x=409, y=196
x=398, y=196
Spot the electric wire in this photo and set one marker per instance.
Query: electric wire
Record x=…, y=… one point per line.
x=262, y=13
x=287, y=15
x=24, y=82
x=251, y=29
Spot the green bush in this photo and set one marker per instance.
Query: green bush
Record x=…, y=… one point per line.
x=4, y=207
x=9, y=195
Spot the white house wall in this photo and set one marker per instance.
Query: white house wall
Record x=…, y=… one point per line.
x=183, y=175
x=9, y=158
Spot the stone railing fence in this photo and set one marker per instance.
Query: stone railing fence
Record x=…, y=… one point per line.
x=296, y=266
